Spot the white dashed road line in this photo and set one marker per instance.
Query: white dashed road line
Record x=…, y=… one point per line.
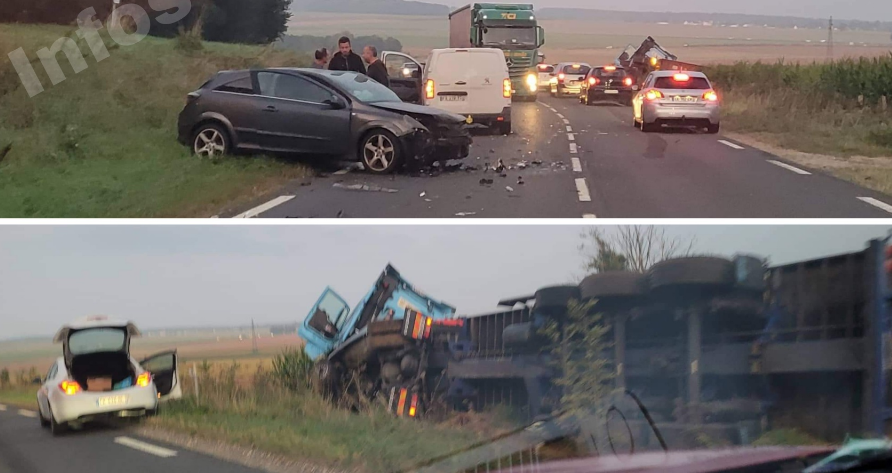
x=263, y=208
x=577, y=166
x=27, y=413
x=571, y=137
x=573, y=148
x=569, y=129
x=876, y=203
x=560, y=115
x=145, y=447
x=589, y=216
x=789, y=168
x=728, y=143
x=566, y=122
x=582, y=190
x=2, y=407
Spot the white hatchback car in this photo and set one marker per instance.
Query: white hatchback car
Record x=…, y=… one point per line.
x=97, y=379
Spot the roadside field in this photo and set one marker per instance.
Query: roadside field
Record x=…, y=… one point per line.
x=571, y=40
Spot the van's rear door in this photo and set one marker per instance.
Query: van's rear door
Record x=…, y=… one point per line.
x=468, y=81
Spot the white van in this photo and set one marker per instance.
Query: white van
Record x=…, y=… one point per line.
x=471, y=82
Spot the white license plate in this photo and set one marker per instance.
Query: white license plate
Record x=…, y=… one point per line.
x=452, y=98
x=679, y=98
x=109, y=401
x=611, y=91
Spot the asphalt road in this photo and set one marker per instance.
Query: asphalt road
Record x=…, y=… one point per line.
x=593, y=164
x=25, y=447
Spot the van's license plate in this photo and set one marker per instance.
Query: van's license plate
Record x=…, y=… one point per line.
x=111, y=401
x=452, y=98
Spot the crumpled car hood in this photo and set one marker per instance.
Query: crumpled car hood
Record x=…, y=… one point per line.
x=414, y=110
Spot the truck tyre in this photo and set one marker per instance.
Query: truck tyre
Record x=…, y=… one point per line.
x=554, y=299
x=697, y=270
x=613, y=284
x=328, y=378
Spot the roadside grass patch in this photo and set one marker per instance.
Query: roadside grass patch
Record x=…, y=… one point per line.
x=103, y=143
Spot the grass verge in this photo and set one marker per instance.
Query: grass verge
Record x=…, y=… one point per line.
x=19, y=396
x=102, y=143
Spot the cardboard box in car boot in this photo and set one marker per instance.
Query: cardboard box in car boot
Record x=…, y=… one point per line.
x=99, y=384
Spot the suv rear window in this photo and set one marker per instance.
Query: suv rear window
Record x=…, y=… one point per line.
x=696, y=83
x=545, y=69
x=605, y=74
x=96, y=340
x=576, y=70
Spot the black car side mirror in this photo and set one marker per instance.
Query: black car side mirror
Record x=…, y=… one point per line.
x=336, y=103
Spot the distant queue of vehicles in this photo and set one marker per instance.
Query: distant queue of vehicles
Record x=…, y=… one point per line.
x=664, y=98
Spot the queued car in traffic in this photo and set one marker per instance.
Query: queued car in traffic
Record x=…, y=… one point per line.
x=568, y=78
x=546, y=73
x=318, y=112
x=97, y=379
x=676, y=99
x=608, y=83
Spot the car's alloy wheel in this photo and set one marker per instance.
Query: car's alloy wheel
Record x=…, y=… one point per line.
x=380, y=153
x=210, y=142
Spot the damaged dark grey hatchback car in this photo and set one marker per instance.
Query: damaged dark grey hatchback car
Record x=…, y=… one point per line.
x=341, y=114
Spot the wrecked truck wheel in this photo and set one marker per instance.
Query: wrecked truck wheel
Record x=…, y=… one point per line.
x=380, y=152
x=553, y=300
x=613, y=284
x=697, y=270
x=328, y=377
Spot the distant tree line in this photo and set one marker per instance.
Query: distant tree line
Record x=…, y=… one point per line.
x=388, y=7
x=230, y=21
x=307, y=43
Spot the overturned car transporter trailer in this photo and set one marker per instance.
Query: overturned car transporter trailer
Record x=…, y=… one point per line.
x=712, y=346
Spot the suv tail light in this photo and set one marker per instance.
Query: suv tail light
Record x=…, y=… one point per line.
x=711, y=96
x=594, y=81
x=506, y=88
x=429, y=89
x=628, y=81
x=653, y=95
x=70, y=387
x=143, y=379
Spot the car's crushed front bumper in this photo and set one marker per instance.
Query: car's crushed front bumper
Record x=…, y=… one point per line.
x=439, y=142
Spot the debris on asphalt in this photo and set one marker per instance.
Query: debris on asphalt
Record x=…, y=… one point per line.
x=520, y=180
x=340, y=214
x=465, y=214
x=364, y=187
x=500, y=167
x=509, y=188
x=422, y=194
x=503, y=175
x=486, y=182
x=522, y=165
x=428, y=200
x=536, y=162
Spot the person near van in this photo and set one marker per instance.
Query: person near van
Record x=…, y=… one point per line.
x=345, y=59
x=376, y=70
x=321, y=59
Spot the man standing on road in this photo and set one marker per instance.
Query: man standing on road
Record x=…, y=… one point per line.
x=345, y=59
x=321, y=59
x=377, y=70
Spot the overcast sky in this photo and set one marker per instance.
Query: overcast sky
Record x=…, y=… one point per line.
x=166, y=276
x=871, y=10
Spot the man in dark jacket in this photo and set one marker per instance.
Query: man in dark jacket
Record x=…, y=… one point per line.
x=345, y=59
x=377, y=70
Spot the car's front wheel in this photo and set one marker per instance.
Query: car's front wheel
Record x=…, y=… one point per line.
x=380, y=152
x=210, y=141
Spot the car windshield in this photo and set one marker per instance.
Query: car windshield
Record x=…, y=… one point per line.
x=96, y=340
x=694, y=83
x=509, y=36
x=362, y=87
x=580, y=69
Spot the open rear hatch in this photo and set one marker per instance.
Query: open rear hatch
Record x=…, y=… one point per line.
x=97, y=353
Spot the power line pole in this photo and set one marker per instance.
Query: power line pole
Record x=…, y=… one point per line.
x=253, y=337
x=830, y=40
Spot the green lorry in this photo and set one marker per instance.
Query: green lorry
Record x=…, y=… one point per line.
x=511, y=28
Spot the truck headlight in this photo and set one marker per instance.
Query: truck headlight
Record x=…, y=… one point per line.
x=533, y=82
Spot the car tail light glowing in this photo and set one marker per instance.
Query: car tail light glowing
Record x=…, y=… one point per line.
x=593, y=80
x=429, y=89
x=681, y=77
x=506, y=88
x=143, y=379
x=711, y=96
x=70, y=387
x=562, y=76
x=628, y=81
x=653, y=95
x=413, y=406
